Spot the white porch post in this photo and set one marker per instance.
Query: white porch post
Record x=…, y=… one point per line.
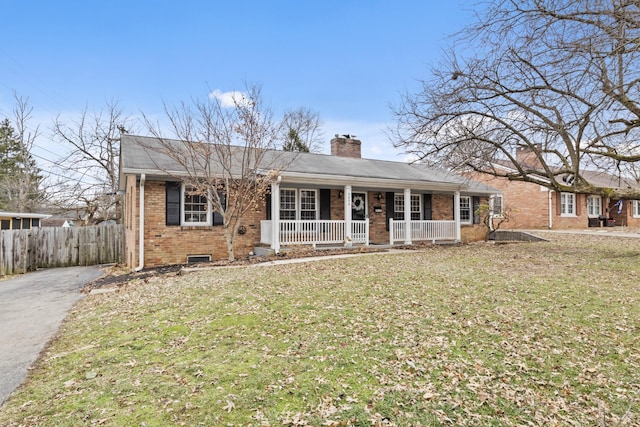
x=456, y=214
x=347, y=212
x=407, y=216
x=275, y=215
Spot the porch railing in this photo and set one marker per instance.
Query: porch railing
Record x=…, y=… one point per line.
x=311, y=232
x=421, y=230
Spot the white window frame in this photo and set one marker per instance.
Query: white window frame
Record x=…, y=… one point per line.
x=492, y=204
x=398, y=207
x=297, y=203
x=302, y=202
x=466, y=200
x=285, y=200
x=594, y=211
x=636, y=208
x=416, y=207
x=568, y=204
x=183, y=208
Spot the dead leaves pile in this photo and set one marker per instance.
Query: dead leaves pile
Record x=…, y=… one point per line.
x=513, y=335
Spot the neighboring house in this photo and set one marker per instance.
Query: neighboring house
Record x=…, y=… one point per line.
x=534, y=206
x=20, y=220
x=56, y=222
x=315, y=199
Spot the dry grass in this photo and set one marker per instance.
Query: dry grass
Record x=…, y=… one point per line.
x=517, y=334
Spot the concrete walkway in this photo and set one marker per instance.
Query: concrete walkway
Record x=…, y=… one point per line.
x=32, y=308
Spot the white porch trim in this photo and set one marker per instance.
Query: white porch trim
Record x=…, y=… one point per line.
x=407, y=215
x=423, y=230
x=347, y=213
x=275, y=215
x=456, y=215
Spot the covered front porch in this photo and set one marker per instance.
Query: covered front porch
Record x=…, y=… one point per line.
x=362, y=215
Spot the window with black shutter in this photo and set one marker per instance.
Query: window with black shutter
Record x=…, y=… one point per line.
x=173, y=201
x=476, y=209
x=217, y=216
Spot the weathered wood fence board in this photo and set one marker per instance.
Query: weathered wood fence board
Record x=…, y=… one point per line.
x=27, y=250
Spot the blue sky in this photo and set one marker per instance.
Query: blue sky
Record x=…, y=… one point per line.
x=347, y=60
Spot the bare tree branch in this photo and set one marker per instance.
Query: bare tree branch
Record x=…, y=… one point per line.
x=557, y=77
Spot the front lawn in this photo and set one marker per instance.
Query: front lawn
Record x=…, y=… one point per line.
x=517, y=334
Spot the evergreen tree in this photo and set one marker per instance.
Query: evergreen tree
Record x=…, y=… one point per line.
x=19, y=175
x=294, y=143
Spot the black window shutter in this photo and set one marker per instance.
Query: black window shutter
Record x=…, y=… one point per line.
x=476, y=206
x=173, y=203
x=325, y=203
x=427, y=207
x=267, y=204
x=217, y=217
x=389, y=200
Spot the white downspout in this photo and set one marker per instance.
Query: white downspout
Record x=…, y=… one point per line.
x=551, y=209
x=141, y=226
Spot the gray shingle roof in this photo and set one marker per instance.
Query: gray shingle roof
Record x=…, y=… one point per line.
x=147, y=155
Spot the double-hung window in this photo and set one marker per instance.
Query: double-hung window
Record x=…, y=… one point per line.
x=196, y=208
x=298, y=204
x=594, y=206
x=398, y=207
x=567, y=204
x=496, y=205
x=287, y=204
x=466, y=216
x=636, y=208
x=308, y=204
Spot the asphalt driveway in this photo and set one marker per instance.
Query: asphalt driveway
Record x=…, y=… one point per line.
x=32, y=308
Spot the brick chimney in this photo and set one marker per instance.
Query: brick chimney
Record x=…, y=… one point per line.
x=526, y=155
x=346, y=146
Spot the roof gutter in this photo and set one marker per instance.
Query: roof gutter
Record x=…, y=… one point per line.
x=382, y=183
x=141, y=226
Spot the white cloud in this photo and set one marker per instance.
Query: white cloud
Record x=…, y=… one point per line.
x=230, y=99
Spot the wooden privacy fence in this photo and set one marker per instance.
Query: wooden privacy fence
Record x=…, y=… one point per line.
x=27, y=250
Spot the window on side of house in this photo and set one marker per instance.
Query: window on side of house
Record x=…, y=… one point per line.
x=496, y=204
x=466, y=216
x=398, y=207
x=594, y=206
x=195, y=207
x=567, y=204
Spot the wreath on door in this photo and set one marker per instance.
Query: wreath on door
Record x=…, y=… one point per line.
x=358, y=203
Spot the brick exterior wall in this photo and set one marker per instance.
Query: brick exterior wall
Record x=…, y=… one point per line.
x=173, y=244
x=529, y=206
x=166, y=245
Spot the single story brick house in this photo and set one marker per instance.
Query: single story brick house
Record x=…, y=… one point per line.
x=315, y=199
x=534, y=206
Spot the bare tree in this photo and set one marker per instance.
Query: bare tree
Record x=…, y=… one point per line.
x=90, y=163
x=302, y=131
x=225, y=151
x=559, y=78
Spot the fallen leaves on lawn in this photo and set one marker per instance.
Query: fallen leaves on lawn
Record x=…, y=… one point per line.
x=513, y=335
